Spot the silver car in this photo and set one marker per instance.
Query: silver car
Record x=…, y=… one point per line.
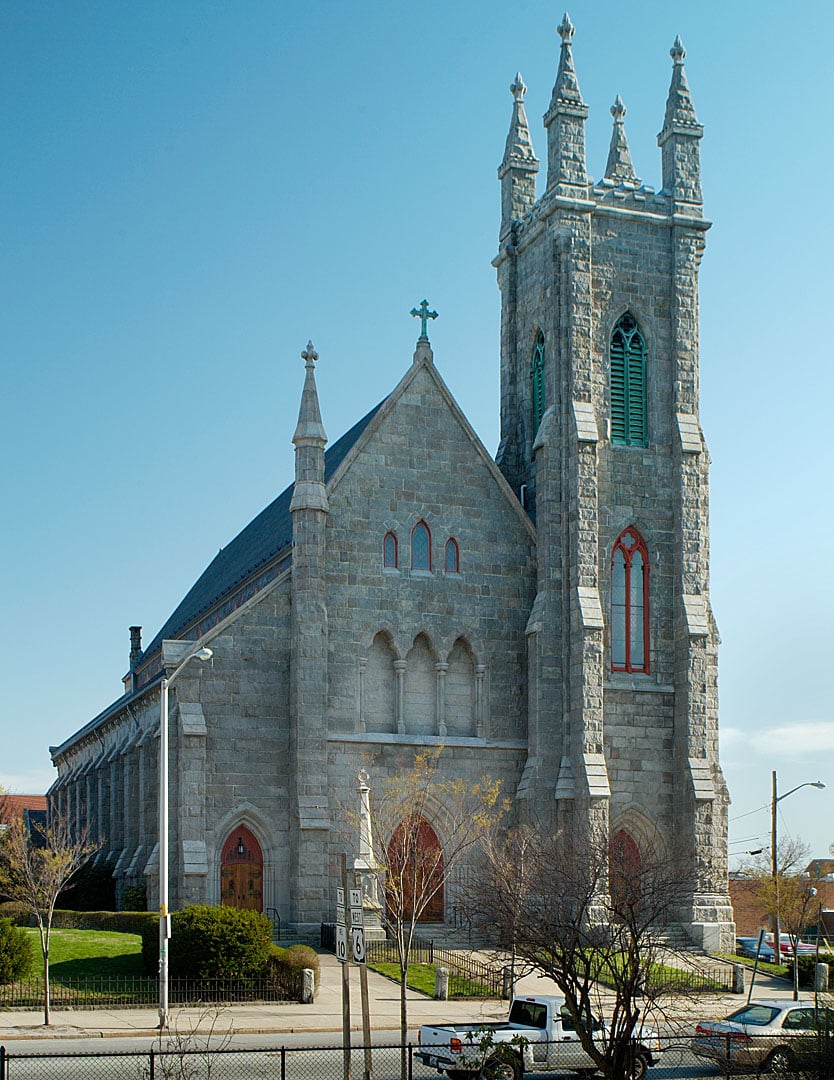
x=767, y=1036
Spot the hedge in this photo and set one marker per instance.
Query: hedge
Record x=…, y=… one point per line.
x=121, y=922
x=211, y=943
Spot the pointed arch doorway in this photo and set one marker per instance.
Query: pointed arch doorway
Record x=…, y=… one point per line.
x=242, y=871
x=415, y=859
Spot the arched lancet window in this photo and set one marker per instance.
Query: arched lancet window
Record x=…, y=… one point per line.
x=389, y=551
x=421, y=547
x=452, y=556
x=628, y=384
x=537, y=381
x=630, y=603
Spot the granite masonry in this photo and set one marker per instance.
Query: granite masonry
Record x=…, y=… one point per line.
x=545, y=616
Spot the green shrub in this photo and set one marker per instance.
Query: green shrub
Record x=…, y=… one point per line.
x=134, y=898
x=18, y=913
x=120, y=922
x=212, y=943
x=15, y=952
x=807, y=969
x=284, y=966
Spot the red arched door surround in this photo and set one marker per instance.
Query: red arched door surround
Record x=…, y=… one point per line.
x=624, y=865
x=415, y=858
x=242, y=870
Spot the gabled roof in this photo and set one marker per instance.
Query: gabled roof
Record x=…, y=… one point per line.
x=263, y=539
x=13, y=805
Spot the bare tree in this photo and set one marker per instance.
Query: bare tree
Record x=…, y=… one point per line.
x=582, y=910
x=785, y=898
x=35, y=866
x=424, y=825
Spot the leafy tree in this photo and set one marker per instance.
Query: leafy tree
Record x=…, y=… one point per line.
x=35, y=866
x=584, y=910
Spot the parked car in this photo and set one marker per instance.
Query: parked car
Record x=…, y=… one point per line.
x=767, y=1036
x=786, y=948
x=749, y=946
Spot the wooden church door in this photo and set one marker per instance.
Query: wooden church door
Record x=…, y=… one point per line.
x=416, y=857
x=242, y=871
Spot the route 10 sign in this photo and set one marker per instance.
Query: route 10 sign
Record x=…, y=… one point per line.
x=341, y=944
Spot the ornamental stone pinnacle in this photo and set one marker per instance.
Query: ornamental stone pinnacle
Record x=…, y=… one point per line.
x=309, y=354
x=619, y=166
x=566, y=29
x=678, y=52
x=518, y=88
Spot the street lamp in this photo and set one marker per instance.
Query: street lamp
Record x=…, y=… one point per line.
x=164, y=917
x=774, y=867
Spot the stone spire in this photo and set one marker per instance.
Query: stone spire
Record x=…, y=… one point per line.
x=517, y=172
x=310, y=440
x=565, y=122
x=619, y=166
x=679, y=139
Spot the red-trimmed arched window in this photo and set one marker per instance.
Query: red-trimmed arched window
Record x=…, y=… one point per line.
x=630, y=603
x=420, y=547
x=452, y=556
x=390, y=556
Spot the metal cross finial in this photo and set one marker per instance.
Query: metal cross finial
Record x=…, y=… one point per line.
x=423, y=314
x=310, y=354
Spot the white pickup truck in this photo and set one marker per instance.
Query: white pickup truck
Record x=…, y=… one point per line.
x=545, y=1037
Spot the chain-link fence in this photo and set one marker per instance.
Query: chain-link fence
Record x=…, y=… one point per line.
x=192, y=1058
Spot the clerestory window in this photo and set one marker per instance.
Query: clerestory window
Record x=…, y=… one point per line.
x=420, y=547
x=452, y=556
x=628, y=384
x=630, y=603
x=389, y=551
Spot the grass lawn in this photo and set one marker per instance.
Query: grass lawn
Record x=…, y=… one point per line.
x=75, y=954
x=421, y=978
x=765, y=967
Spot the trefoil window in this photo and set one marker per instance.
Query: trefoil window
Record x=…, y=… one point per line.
x=630, y=604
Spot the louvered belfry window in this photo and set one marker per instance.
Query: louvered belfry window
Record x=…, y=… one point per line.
x=628, y=384
x=537, y=381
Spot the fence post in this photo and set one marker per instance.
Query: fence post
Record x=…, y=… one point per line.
x=152, y=1065
x=283, y=1063
x=441, y=984
x=738, y=978
x=410, y=1061
x=821, y=976
x=308, y=985
x=2, y=1063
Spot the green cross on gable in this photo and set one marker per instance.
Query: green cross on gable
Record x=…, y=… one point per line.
x=423, y=314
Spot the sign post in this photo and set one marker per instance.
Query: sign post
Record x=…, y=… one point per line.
x=342, y=956
x=357, y=942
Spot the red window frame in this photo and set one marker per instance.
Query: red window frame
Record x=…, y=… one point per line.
x=453, y=549
x=627, y=545
x=421, y=524
x=385, y=560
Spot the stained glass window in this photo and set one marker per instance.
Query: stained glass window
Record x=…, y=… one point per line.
x=421, y=547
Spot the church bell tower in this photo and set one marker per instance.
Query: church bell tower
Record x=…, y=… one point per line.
x=601, y=440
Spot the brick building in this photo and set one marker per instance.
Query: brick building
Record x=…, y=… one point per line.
x=545, y=616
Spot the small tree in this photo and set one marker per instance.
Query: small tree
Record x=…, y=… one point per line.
x=35, y=867
x=585, y=910
x=785, y=897
x=414, y=869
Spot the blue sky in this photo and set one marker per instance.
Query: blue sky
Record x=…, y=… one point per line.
x=190, y=191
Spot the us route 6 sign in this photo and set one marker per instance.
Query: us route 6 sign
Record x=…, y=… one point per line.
x=357, y=941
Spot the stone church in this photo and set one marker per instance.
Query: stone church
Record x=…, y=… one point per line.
x=543, y=615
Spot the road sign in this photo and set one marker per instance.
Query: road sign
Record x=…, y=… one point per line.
x=357, y=941
x=340, y=896
x=340, y=915
x=356, y=917
x=356, y=898
x=341, y=944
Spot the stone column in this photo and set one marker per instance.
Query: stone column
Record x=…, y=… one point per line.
x=480, y=671
x=362, y=705
x=441, y=670
x=399, y=671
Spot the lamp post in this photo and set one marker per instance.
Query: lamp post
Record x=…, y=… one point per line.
x=164, y=917
x=774, y=866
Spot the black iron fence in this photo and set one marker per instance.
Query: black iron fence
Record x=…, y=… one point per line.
x=140, y=991
x=186, y=1059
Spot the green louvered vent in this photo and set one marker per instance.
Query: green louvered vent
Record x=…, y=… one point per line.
x=537, y=380
x=628, y=384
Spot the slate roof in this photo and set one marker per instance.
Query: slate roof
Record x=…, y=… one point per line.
x=265, y=537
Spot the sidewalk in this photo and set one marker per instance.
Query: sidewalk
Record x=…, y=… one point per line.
x=325, y=1014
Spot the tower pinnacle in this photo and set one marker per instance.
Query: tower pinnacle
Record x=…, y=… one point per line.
x=619, y=166
x=679, y=139
x=517, y=171
x=565, y=122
